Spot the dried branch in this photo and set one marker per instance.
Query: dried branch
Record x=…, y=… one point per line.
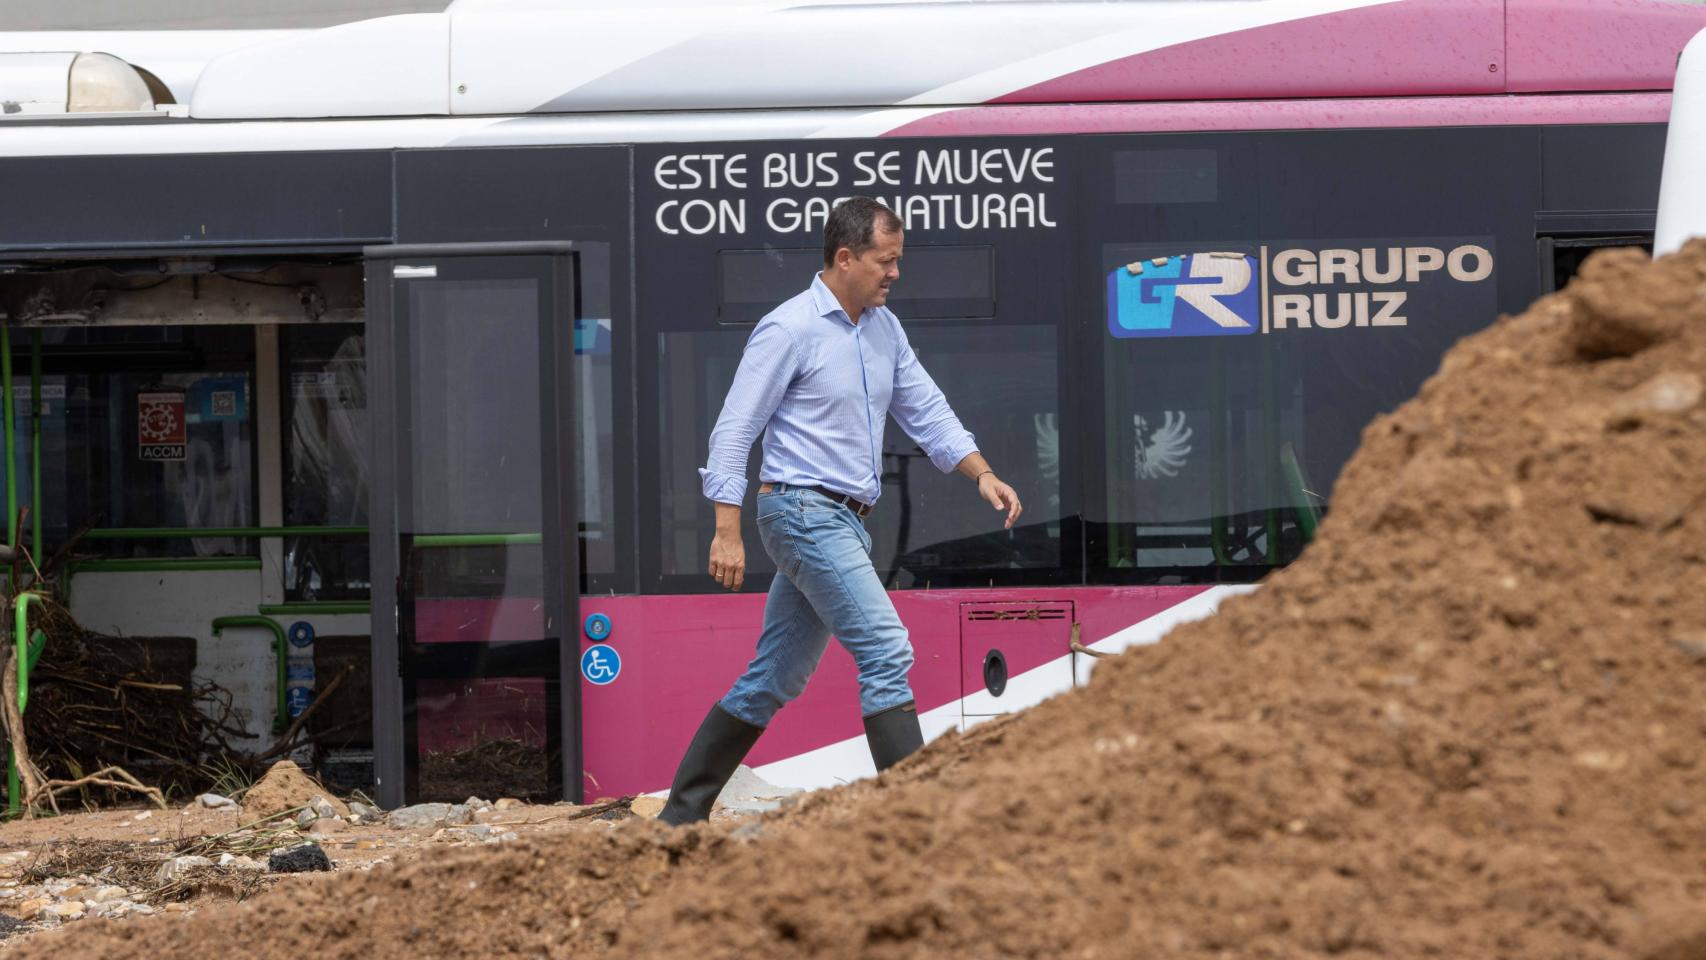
x=104, y=777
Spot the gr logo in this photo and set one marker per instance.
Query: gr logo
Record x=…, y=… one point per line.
x=1195, y=295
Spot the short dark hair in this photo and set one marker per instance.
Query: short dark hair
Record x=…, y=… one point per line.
x=854, y=224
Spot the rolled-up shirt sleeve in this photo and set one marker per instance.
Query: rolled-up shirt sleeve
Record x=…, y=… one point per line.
x=919, y=407
x=767, y=366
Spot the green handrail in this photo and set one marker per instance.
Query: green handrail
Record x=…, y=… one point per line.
x=163, y=564
x=11, y=454
x=192, y=533
x=280, y=651
x=36, y=497
x=29, y=648
x=315, y=608
x=477, y=539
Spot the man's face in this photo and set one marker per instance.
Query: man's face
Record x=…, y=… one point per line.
x=867, y=277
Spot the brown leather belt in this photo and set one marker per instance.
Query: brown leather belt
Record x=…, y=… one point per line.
x=860, y=510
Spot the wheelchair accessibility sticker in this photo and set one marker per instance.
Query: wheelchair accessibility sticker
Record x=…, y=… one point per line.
x=600, y=664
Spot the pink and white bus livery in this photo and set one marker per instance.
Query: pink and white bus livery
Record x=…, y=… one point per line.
x=482, y=277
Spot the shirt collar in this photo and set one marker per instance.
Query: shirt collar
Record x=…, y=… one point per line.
x=825, y=300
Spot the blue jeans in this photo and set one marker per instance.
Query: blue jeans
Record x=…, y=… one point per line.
x=824, y=584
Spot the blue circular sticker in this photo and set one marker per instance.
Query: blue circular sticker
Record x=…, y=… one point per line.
x=600, y=664
x=301, y=633
x=597, y=627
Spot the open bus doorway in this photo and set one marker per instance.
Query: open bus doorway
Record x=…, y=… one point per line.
x=475, y=587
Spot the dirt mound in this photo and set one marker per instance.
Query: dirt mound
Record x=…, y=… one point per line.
x=285, y=787
x=1469, y=722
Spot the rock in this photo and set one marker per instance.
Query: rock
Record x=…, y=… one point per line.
x=476, y=804
x=29, y=908
x=507, y=803
x=424, y=815
x=74, y=892
x=178, y=866
x=326, y=828
x=362, y=813
x=648, y=807
x=231, y=861
x=177, y=908
x=1607, y=761
x=323, y=808
x=214, y=801
x=307, y=858
x=66, y=910
x=505, y=837
x=1692, y=643
x=11, y=857
x=140, y=908
x=143, y=815
x=479, y=831
x=1670, y=392
x=306, y=818
x=747, y=792
x=9, y=925
x=107, y=894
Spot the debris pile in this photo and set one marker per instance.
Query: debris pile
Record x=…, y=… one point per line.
x=486, y=766
x=91, y=696
x=1469, y=722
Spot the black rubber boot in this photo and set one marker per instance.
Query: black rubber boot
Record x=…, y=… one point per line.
x=893, y=734
x=717, y=749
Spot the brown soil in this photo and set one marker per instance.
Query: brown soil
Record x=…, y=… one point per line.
x=285, y=787
x=1469, y=722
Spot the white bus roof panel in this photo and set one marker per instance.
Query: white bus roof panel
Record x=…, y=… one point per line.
x=388, y=67
x=519, y=57
x=508, y=57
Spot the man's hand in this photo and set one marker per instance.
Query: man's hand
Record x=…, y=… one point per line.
x=728, y=552
x=1001, y=496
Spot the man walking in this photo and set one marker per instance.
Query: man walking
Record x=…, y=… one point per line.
x=819, y=377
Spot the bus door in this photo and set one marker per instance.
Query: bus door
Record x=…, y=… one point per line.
x=475, y=670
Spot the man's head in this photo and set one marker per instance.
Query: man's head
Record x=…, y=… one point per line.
x=861, y=251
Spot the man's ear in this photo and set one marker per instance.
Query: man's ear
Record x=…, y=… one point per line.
x=843, y=258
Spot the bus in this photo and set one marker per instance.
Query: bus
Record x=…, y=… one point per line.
x=387, y=352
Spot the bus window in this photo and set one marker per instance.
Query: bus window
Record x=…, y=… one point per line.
x=942, y=282
x=326, y=452
x=325, y=459
x=104, y=390
x=595, y=457
x=1561, y=257
x=1219, y=452
x=930, y=529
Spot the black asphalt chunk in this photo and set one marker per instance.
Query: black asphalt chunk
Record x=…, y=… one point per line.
x=306, y=858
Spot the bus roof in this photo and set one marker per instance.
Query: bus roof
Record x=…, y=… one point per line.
x=521, y=57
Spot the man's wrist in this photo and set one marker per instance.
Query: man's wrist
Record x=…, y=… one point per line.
x=979, y=478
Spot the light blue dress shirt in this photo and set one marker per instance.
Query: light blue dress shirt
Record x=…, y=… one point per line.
x=821, y=388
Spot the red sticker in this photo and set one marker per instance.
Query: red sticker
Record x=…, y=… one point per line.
x=160, y=425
